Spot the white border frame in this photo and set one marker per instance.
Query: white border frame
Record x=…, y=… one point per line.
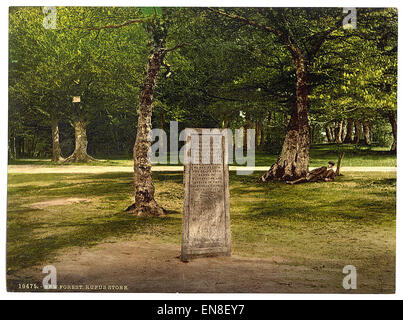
x=160, y=296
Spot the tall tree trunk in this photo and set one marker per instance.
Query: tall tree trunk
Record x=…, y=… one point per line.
x=80, y=152
x=56, y=151
x=332, y=129
x=357, y=131
x=343, y=130
x=392, y=120
x=329, y=133
x=293, y=160
x=34, y=144
x=12, y=146
x=257, y=133
x=261, y=128
x=349, y=134
x=339, y=161
x=23, y=147
x=337, y=131
x=162, y=121
x=312, y=133
x=144, y=191
x=14, y=149
x=268, y=129
x=17, y=147
x=10, y=151
x=367, y=132
x=245, y=133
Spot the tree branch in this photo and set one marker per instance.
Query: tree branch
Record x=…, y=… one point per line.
x=281, y=35
x=176, y=47
x=247, y=21
x=117, y=26
x=323, y=35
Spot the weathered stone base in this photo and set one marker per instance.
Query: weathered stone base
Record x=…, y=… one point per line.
x=192, y=253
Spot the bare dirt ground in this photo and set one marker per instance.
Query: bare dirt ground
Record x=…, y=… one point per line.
x=56, y=202
x=144, y=265
x=147, y=266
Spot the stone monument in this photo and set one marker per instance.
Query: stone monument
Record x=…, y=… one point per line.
x=206, y=219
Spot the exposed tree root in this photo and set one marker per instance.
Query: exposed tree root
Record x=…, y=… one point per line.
x=74, y=158
x=150, y=209
x=59, y=160
x=283, y=173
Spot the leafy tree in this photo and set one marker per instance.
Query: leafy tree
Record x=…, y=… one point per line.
x=155, y=21
x=57, y=64
x=302, y=32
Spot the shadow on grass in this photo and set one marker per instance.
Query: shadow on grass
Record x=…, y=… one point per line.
x=350, y=198
x=87, y=234
x=87, y=186
x=269, y=206
x=111, y=193
x=386, y=182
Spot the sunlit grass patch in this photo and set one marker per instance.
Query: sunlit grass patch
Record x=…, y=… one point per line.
x=349, y=221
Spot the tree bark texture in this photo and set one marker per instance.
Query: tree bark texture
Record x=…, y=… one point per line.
x=56, y=151
x=80, y=152
x=393, y=123
x=329, y=133
x=293, y=160
x=357, y=131
x=367, y=132
x=338, y=131
x=349, y=132
x=261, y=128
x=144, y=191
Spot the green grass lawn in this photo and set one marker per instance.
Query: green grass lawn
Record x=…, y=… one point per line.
x=349, y=221
x=355, y=156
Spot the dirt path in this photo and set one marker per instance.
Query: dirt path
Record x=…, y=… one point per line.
x=35, y=169
x=146, y=266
